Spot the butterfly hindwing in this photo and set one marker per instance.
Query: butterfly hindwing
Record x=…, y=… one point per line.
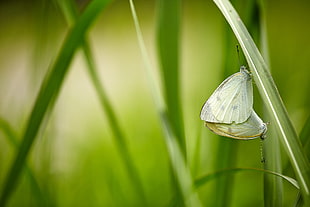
x=250, y=129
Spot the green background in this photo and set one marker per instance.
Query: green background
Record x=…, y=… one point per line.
x=74, y=158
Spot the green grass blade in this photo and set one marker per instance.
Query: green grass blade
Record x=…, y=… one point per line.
x=177, y=159
x=11, y=135
x=226, y=148
x=48, y=93
x=305, y=141
x=271, y=98
x=206, y=178
x=71, y=15
x=273, y=188
x=304, y=137
x=6, y=128
x=273, y=185
x=168, y=30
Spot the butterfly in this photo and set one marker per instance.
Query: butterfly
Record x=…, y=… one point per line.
x=232, y=101
x=252, y=128
x=229, y=110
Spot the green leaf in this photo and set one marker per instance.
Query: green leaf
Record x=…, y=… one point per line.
x=49, y=91
x=71, y=15
x=206, y=178
x=271, y=98
x=305, y=137
x=177, y=158
x=273, y=185
x=168, y=30
x=11, y=135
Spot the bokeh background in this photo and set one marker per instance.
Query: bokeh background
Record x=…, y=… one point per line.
x=75, y=159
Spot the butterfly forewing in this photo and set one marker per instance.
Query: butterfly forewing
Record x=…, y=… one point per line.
x=231, y=102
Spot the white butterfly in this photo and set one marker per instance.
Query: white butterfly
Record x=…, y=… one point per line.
x=252, y=128
x=232, y=101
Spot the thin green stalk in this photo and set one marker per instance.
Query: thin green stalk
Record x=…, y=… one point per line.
x=305, y=137
x=12, y=138
x=49, y=92
x=9, y=132
x=71, y=15
x=177, y=159
x=273, y=185
x=271, y=98
x=206, y=178
x=273, y=188
x=168, y=29
x=226, y=147
x=120, y=138
x=167, y=35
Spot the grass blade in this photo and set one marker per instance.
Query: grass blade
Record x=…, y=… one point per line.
x=226, y=147
x=273, y=185
x=304, y=137
x=9, y=132
x=49, y=92
x=204, y=179
x=177, y=159
x=271, y=98
x=71, y=15
x=305, y=141
x=168, y=52
x=12, y=138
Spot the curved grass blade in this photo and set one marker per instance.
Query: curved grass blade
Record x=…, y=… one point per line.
x=177, y=159
x=271, y=98
x=70, y=12
x=204, y=179
x=49, y=91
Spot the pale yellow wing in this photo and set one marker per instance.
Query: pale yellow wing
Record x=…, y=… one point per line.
x=250, y=129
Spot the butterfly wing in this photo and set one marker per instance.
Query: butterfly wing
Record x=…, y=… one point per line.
x=231, y=102
x=250, y=129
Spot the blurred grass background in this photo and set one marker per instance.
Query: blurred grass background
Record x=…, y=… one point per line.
x=75, y=160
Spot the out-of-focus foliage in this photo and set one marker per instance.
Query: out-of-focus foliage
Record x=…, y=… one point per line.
x=75, y=160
